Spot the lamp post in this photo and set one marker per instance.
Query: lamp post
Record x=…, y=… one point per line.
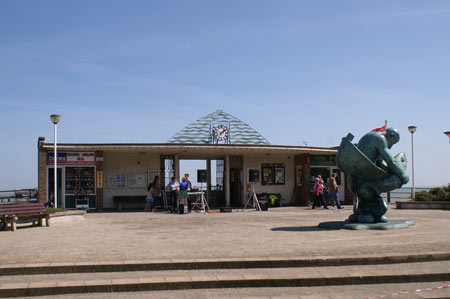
x=412, y=129
x=55, y=118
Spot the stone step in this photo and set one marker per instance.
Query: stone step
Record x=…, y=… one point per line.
x=53, y=284
x=219, y=263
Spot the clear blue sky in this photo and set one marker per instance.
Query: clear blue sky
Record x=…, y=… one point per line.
x=139, y=71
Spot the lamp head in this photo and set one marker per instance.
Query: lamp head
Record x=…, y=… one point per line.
x=412, y=129
x=55, y=118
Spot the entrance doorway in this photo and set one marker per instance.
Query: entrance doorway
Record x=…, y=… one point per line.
x=51, y=187
x=235, y=187
x=191, y=167
x=214, y=191
x=236, y=181
x=325, y=172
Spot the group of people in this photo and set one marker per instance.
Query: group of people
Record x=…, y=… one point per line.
x=319, y=192
x=177, y=194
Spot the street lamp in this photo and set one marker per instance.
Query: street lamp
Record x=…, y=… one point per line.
x=412, y=129
x=55, y=118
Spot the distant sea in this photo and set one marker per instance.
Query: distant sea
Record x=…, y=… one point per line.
x=403, y=194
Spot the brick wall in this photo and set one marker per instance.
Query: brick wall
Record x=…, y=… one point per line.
x=99, y=166
x=42, y=171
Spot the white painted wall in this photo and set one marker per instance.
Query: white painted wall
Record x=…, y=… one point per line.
x=129, y=162
x=125, y=162
x=285, y=190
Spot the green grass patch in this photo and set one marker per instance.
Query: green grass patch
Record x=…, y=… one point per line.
x=53, y=210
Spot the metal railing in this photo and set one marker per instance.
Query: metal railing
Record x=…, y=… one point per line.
x=402, y=194
x=18, y=196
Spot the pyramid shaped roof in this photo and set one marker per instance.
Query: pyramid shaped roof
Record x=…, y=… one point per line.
x=199, y=132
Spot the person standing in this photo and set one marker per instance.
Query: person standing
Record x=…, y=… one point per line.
x=333, y=189
x=317, y=192
x=322, y=198
x=173, y=188
x=156, y=192
x=183, y=195
x=189, y=202
x=149, y=199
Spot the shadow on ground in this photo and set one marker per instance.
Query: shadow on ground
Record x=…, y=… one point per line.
x=302, y=229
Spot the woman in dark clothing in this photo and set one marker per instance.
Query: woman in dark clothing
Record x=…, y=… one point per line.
x=173, y=188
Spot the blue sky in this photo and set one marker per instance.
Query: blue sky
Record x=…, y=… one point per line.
x=139, y=71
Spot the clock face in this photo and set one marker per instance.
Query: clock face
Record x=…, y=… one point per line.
x=221, y=133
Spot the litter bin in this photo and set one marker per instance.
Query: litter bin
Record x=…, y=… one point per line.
x=264, y=205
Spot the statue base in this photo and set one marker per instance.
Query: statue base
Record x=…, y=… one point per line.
x=390, y=225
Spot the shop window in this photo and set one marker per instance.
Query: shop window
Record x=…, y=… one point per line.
x=273, y=174
x=80, y=180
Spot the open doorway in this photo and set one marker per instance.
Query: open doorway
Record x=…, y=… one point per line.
x=191, y=167
x=51, y=187
x=325, y=172
x=215, y=191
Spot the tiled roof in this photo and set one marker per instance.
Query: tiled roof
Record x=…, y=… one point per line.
x=199, y=132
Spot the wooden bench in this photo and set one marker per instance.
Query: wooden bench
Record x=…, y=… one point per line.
x=120, y=200
x=32, y=211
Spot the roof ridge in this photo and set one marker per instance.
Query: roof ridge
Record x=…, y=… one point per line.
x=240, y=132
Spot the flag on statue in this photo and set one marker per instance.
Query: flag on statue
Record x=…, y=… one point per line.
x=448, y=134
x=381, y=129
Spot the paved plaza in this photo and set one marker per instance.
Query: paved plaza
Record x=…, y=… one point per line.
x=280, y=232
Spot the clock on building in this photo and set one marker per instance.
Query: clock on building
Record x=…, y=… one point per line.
x=221, y=133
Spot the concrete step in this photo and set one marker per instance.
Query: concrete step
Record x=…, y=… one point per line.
x=219, y=263
x=415, y=290
x=77, y=283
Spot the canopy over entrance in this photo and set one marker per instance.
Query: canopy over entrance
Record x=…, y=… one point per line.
x=219, y=128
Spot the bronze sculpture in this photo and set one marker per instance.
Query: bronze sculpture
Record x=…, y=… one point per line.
x=371, y=170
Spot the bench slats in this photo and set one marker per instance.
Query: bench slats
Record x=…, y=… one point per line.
x=138, y=198
x=24, y=209
x=12, y=211
x=119, y=200
x=29, y=208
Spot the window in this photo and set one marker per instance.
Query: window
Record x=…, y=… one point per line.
x=273, y=174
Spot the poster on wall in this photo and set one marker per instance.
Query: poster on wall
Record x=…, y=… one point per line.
x=151, y=174
x=137, y=180
x=267, y=174
x=279, y=174
x=99, y=179
x=252, y=175
x=116, y=180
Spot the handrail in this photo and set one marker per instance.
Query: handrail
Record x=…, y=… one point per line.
x=18, y=196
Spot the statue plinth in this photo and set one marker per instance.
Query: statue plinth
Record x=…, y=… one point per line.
x=389, y=225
